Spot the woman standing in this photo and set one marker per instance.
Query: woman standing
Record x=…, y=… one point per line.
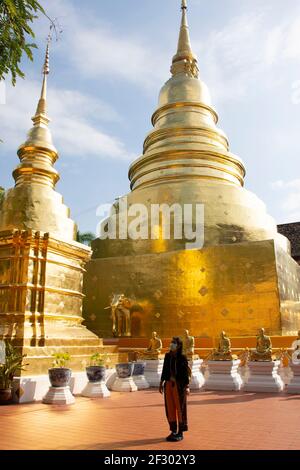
x=174, y=382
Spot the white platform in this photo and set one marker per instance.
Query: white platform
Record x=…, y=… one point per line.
x=285, y=373
x=96, y=390
x=244, y=372
x=59, y=396
x=141, y=382
x=264, y=377
x=34, y=388
x=124, y=385
x=223, y=375
x=197, y=380
x=153, y=370
x=294, y=385
x=111, y=380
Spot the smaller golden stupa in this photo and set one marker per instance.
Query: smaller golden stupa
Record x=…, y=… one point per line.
x=41, y=264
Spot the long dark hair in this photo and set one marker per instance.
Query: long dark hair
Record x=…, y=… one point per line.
x=178, y=340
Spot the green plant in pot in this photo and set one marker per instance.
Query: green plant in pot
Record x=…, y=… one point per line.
x=96, y=371
x=13, y=364
x=59, y=374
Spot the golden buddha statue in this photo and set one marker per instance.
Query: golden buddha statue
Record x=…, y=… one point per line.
x=263, y=351
x=120, y=314
x=223, y=352
x=188, y=342
x=154, y=349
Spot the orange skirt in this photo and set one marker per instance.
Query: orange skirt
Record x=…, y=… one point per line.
x=173, y=403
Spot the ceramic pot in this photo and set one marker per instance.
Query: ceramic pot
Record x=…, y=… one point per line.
x=124, y=370
x=5, y=396
x=96, y=373
x=139, y=368
x=60, y=376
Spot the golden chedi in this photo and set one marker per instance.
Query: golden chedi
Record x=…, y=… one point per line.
x=41, y=264
x=243, y=273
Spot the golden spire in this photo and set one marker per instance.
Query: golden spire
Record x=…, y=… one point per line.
x=185, y=142
x=40, y=119
x=184, y=60
x=38, y=153
x=41, y=111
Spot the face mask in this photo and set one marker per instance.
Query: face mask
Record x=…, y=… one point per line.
x=173, y=346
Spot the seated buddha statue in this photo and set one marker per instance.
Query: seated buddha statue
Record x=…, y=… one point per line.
x=154, y=349
x=296, y=350
x=263, y=351
x=223, y=352
x=188, y=345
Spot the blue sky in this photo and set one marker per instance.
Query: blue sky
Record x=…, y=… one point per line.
x=106, y=72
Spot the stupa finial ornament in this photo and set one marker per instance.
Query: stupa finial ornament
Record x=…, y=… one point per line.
x=184, y=4
x=39, y=138
x=41, y=111
x=184, y=61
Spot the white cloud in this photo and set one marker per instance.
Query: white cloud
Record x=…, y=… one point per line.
x=234, y=59
x=106, y=54
x=242, y=56
x=96, y=50
x=289, y=193
x=230, y=58
x=76, y=121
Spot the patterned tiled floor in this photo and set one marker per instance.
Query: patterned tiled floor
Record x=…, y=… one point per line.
x=137, y=421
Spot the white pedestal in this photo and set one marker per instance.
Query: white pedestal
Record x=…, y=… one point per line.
x=153, y=370
x=141, y=382
x=197, y=380
x=33, y=388
x=223, y=375
x=110, y=380
x=95, y=390
x=264, y=377
x=285, y=374
x=294, y=385
x=59, y=396
x=244, y=373
x=124, y=385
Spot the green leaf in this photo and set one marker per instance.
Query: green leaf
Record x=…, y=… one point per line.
x=16, y=18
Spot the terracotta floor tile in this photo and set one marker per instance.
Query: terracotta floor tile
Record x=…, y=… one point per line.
x=137, y=421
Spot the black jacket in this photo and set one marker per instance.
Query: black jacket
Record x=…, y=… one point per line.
x=180, y=366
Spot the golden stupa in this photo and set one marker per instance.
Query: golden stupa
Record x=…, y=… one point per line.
x=243, y=276
x=41, y=264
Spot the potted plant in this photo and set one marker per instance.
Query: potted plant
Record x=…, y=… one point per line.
x=96, y=371
x=13, y=364
x=124, y=381
x=59, y=374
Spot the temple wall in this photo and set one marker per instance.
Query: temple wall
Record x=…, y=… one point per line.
x=235, y=288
